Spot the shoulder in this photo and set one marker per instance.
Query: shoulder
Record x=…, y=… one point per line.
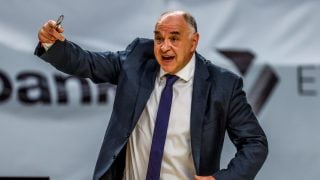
x=141, y=43
x=137, y=54
x=216, y=72
x=139, y=47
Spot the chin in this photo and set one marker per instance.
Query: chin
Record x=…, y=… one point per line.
x=168, y=70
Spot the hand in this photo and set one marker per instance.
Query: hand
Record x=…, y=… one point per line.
x=204, y=178
x=49, y=33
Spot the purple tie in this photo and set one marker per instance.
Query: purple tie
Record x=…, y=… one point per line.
x=160, y=130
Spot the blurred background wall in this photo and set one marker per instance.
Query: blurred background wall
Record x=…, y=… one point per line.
x=52, y=125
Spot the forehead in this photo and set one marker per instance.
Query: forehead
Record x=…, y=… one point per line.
x=171, y=23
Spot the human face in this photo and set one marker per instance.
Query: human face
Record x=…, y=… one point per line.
x=174, y=42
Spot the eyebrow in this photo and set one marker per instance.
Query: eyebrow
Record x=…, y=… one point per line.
x=173, y=32
x=156, y=32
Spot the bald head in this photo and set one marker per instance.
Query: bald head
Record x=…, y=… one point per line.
x=190, y=20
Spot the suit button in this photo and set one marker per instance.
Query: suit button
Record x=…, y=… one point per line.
x=114, y=157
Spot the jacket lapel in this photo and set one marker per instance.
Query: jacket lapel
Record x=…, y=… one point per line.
x=146, y=86
x=198, y=106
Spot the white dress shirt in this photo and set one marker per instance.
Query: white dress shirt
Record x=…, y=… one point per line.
x=46, y=46
x=177, y=162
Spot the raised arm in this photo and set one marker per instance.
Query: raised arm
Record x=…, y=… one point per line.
x=72, y=59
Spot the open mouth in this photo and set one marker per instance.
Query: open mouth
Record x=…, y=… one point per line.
x=167, y=58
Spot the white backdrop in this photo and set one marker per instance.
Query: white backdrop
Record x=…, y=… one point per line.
x=46, y=130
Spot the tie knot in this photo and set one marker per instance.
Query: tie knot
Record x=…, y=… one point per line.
x=171, y=79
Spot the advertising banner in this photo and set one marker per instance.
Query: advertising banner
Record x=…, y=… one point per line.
x=52, y=124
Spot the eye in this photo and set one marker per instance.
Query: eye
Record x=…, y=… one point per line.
x=158, y=39
x=174, y=39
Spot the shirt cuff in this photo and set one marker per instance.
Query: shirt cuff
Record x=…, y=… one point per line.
x=46, y=46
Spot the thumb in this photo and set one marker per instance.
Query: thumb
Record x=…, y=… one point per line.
x=60, y=29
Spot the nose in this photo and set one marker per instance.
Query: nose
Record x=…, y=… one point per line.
x=165, y=46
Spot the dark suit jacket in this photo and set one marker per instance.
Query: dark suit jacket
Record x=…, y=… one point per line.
x=219, y=105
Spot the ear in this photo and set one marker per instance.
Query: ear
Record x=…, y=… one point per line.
x=195, y=39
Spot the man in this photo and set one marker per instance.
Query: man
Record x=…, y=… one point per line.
x=204, y=102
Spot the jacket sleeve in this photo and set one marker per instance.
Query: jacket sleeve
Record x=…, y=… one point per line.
x=248, y=137
x=100, y=67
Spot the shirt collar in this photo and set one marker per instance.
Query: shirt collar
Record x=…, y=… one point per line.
x=186, y=73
